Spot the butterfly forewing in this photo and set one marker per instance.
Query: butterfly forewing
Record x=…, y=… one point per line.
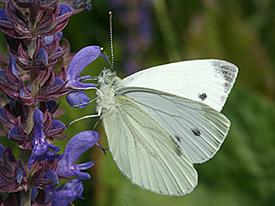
x=145, y=152
x=206, y=81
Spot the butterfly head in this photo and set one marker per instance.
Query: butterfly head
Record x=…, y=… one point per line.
x=108, y=78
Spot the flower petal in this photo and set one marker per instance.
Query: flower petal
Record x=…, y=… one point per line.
x=19, y=176
x=82, y=58
x=51, y=175
x=16, y=135
x=75, y=185
x=3, y=16
x=48, y=39
x=81, y=175
x=78, y=98
x=57, y=128
x=79, y=144
x=64, y=9
x=64, y=197
x=86, y=165
x=13, y=65
x=42, y=56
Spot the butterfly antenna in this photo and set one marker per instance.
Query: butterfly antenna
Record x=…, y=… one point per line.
x=111, y=39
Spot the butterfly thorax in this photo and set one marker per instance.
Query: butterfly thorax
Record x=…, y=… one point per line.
x=109, y=84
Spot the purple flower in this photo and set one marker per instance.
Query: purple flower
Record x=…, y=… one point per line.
x=49, y=39
x=82, y=58
x=13, y=173
x=50, y=189
x=74, y=149
x=52, y=87
x=72, y=190
x=46, y=54
x=13, y=86
x=41, y=147
x=63, y=195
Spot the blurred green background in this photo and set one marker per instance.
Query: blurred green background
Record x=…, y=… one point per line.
x=148, y=33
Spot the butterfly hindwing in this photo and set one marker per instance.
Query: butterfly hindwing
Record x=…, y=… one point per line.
x=145, y=152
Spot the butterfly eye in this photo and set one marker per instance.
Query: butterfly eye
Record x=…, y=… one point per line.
x=108, y=79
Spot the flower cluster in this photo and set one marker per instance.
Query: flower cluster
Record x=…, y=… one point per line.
x=31, y=81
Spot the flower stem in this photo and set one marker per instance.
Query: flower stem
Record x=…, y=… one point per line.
x=34, y=86
x=25, y=198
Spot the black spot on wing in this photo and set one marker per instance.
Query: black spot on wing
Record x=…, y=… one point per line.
x=177, y=147
x=178, y=138
x=202, y=96
x=196, y=132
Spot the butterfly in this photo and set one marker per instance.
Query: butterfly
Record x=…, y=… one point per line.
x=161, y=121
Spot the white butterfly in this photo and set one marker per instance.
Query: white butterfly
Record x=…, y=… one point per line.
x=162, y=120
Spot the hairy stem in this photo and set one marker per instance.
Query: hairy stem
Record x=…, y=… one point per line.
x=25, y=198
x=34, y=86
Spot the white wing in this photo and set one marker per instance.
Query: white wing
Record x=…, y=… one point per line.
x=207, y=81
x=145, y=152
x=196, y=127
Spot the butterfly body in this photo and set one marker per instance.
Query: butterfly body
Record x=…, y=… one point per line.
x=109, y=84
x=162, y=120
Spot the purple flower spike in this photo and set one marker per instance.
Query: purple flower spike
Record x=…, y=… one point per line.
x=74, y=149
x=41, y=147
x=82, y=58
